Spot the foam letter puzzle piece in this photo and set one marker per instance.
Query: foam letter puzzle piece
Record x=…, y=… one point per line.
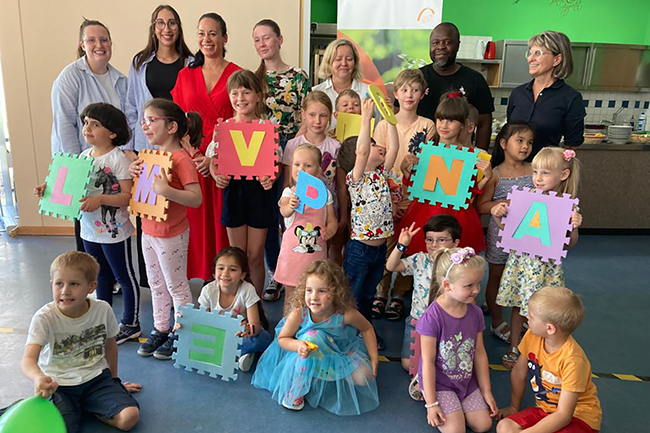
x=311, y=191
x=144, y=202
x=443, y=175
x=378, y=97
x=247, y=149
x=66, y=183
x=207, y=342
x=349, y=125
x=416, y=352
x=537, y=224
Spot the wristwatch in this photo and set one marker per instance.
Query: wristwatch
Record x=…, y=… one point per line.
x=401, y=247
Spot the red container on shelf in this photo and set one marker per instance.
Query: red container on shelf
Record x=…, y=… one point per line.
x=490, y=51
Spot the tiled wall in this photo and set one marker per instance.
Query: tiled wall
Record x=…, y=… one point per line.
x=599, y=105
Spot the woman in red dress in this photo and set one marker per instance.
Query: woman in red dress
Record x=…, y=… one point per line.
x=201, y=87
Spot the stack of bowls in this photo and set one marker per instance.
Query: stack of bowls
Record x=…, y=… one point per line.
x=619, y=134
x=595, y=129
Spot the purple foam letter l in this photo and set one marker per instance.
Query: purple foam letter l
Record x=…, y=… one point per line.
x=57, y=193
x=144, y=192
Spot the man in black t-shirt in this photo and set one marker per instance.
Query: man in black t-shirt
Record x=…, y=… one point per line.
x=445, y=75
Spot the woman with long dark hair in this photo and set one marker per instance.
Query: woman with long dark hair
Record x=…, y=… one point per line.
x=201, y=87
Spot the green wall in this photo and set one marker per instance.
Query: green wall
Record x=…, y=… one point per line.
x=612, y=21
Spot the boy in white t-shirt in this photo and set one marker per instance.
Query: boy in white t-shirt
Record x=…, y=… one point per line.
x=71, y=353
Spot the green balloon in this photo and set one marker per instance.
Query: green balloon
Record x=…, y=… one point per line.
x=32, y=415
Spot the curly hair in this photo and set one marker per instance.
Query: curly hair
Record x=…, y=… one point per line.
x=335, y=279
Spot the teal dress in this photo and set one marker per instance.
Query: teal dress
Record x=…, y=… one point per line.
x=325, y=377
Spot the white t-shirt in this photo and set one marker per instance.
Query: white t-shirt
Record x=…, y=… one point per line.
x=245, y=298
x=73, y=349
x=289, y=192
x=420, y=266
x=107, y=84
x=108, y=224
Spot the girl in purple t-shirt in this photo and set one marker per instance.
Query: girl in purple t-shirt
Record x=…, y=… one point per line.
x=454, y=370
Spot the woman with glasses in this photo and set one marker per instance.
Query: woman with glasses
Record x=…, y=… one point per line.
x=153, y=75
x=87, y=80
x=553, y=108
x=201, y=87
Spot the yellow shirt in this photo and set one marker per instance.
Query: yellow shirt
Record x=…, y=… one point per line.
x=565, y=369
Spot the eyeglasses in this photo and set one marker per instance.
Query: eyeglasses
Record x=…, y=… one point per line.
x=436, y=241
x=537, y=53
x=102, y=40
x=149, y=120
x=161, y=24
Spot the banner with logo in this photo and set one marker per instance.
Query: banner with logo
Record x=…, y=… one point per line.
x=390, y=35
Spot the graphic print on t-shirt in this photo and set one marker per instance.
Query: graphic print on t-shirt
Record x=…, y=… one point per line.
x=457, y=357
x=105, y=179
x=307, y=239
x=537, y=377
x=79, y=350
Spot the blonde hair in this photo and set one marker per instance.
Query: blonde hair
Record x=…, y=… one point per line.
x=334, y=278
x=317, y=96
x=248, y=80
x=325, y=69
x=347, y=92
x=558, y=44
x=553, y=158
x=83, y=262
x=410, y=76
x=559, y=306
x=442, y=264
x=314, y=150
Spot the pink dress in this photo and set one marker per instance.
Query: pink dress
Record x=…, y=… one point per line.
x=302, y=242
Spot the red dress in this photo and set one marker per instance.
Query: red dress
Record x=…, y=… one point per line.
x=469, y=220
x=207, y=235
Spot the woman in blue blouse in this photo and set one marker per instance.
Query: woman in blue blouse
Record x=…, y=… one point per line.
x=553, y=108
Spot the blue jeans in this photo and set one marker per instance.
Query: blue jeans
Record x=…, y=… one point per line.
x=364, y=267
x=256, y=343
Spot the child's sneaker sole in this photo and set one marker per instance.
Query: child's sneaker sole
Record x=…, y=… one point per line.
x=246, y=361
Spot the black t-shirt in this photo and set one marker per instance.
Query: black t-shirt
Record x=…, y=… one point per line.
x=558, y=112
x=476, y=89
x=161, y=77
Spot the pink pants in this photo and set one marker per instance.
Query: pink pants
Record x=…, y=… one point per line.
x=166, y=260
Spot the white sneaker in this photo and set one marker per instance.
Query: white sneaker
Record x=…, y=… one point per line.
x=246, y=361
x=273, y=290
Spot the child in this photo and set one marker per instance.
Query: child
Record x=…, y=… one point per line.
x=554, y=169
x=71, y=354
x=441, y=231
x=513, y=145
x=451, y=121
x=105, y=225
x=165, y=242
x=559, y=371
x=248, y=204
x=372, y=212
x=316, y=115
x=305, y=238
x=412, y=130
x=454, y=367
x=348, y=101
x=317, y=355
x=231, y=294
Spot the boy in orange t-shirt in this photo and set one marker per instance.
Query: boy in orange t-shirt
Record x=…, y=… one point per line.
x=558, y=370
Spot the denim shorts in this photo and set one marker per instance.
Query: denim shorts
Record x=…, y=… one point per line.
x=103, y=396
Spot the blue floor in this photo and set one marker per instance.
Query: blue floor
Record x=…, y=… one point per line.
x=610, y=272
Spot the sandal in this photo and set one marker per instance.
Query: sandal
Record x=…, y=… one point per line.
x=498, y=332
x=297, y=404
x=510, y=358
x=378, y=307
x=395, y=309
x=414, y=389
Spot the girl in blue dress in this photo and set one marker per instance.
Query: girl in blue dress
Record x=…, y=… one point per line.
x=317, y=355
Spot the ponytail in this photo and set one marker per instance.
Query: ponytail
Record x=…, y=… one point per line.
x=194, y=129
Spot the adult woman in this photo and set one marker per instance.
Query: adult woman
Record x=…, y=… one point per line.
x=87, y=80
x=201, y=87
x=553, y=108
x=285, y=88
x=153, y=75
x=341, y=69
